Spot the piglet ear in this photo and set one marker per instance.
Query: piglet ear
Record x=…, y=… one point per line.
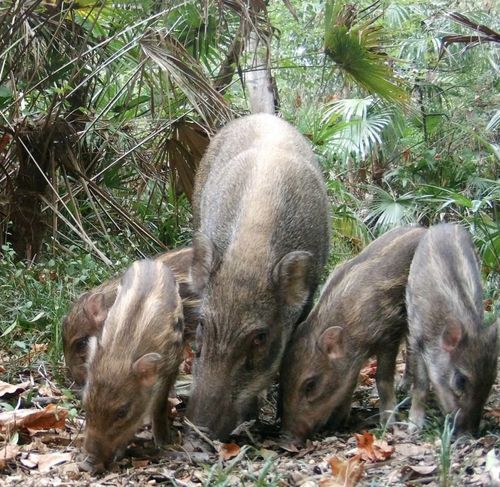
x=203, y=261
x=331, y=342
x=146, y=368
x=492, y=333
x=451, y=336
x=95, y=307
x=292, y=276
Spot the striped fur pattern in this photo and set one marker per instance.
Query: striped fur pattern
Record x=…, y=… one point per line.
x=133, y=364
x=78, y=326
x=450, y=346
x=360, y=313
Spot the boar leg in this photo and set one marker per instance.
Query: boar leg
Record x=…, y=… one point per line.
x=386, y=366
x=160, y=416
x=419, y=391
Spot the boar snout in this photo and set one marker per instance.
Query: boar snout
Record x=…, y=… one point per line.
x=203, y=413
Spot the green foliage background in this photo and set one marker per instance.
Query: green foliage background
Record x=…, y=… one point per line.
x=105, y=108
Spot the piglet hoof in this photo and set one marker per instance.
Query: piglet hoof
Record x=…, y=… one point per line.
x=404, y=385
x=91, y=466
x=162, y=437
x=387, y=419
x=414, y=429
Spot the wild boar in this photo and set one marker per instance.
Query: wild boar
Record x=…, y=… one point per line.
x=78, y=326
x=133, y=364
x=360, y=313
x=261, y=245
x=450, y=345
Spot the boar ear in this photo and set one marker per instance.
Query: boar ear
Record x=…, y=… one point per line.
x=146, y=368
x=331, y=342
x=291, y=275
x=451, y=336
x=95, y=307
x=203, y=261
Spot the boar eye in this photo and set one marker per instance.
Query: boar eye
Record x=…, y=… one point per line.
x=259, y=339
x=459, y=382
x=310, y=386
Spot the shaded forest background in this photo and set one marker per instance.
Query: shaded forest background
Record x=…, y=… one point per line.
x=107, y=107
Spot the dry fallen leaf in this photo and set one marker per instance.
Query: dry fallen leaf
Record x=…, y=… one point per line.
x=413, y=472
x=45, y=461
x=49, y=460
x=494, y=413
x=228, y=450
x=367, y=374
x=172, y=410
x=49, y=390
x=412, y=450
x=493, y=468
x=7, y=389
x=371, y=449
x=186, y=366
x=143, y=462
x=346, y=473
x=33, y=419
x=36, y=349
x=8, y=452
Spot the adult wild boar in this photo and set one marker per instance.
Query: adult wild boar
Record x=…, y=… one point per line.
x=133, y=364
x=78, y=326
x=360, y=313
x=261, y=245
x=450, y=345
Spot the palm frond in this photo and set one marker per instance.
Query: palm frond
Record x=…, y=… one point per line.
x=494, y=122
x=396, y=15
x=356, y=48
x=355, y=127
x=188, y=75
x=388, y=210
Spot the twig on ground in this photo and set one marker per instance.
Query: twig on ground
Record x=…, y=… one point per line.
x=245, y=426
x=202, y=435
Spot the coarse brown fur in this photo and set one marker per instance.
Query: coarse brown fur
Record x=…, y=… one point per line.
x=360, y=313
x=133, y=364
x=78, y=327
x=263, y=237
x=450, y=346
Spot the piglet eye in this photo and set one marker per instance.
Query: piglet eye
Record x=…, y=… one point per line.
x=122, y=412
x=459, y=382
x=81, y=344
x=259, y=339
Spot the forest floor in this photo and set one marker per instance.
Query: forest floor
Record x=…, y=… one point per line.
x=45, y=448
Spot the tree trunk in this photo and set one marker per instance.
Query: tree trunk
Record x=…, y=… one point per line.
x=258, y=79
